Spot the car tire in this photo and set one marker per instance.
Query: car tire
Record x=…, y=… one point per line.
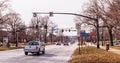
x=38, y=53
x=26, y=53
x=43, y=52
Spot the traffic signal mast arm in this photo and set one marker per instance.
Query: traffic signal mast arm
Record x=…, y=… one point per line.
x=95, y=19
x=51, y=14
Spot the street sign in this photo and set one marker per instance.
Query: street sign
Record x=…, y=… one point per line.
x=5, y=40
x=84, y=34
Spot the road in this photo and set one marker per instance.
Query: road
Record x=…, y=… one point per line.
x=54, y=54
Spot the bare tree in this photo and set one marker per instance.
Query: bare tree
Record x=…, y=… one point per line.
x=107, y=11
x=14, y=24
x=3, y=7
x=36, y=26
x=111, y=16
x=41, y=26
x=51, y=28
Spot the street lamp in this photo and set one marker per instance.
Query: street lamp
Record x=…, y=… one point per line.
x=102, y=37
x=37, y=27
x=17, y=37
x=45, y=27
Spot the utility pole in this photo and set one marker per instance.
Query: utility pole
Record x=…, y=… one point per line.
x=45, y=27
x=52, y=36
x=16, y=33
x=97, y=28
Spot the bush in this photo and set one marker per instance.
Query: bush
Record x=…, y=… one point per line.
x=8, y=44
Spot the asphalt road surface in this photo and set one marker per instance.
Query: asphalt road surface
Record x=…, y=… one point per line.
x=53, y=54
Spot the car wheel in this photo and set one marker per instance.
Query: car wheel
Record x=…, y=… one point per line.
x=26, y=53
x=43, y=52
x=38, y=53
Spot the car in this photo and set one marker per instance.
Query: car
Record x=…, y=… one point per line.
x=72, y=42
x=34, y=47
x=58, y=43
x=116, y=43
x=66, y=43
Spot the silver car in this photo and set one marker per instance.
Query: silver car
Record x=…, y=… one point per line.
x=34, y=47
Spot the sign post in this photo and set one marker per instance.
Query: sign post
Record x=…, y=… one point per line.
x=79, y=44
x=83, y=35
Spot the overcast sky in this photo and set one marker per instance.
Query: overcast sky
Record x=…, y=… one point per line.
x=26, y=7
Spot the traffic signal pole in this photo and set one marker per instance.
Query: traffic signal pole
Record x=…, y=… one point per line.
x=95, y=19
x=97, y=33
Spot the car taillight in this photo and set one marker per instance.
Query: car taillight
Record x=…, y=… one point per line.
x=23, y=47
x=37, y=47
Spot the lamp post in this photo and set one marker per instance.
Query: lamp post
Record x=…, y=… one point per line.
x=37, y=33
x=97, y=33
x=45, y=27
x=17, y=37
x=51, y=35
x=102, y=37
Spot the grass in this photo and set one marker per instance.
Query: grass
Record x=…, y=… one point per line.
x=10, y=48
x=13, y=46
x=94, y=55
x=115, y=47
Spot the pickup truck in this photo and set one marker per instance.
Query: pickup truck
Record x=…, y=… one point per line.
x=34, y=47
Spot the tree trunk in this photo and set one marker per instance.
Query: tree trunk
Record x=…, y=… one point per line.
x=111, y=37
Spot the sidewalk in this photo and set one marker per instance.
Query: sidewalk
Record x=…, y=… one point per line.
x=116, y=51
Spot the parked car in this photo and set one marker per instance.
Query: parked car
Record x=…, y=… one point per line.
x=72, y=42
x=116, y=43
x=66, y=43
x=58, y=43
x=34, y=47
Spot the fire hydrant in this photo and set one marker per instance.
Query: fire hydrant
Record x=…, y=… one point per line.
x=107, y=46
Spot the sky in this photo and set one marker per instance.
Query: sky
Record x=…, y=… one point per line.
x=26, y=7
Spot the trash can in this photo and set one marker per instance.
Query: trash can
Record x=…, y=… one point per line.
x=107, y=46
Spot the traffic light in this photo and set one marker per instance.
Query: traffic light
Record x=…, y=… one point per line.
x=36, y=26
x=69, y=30
x=62, y=30
x=34, y=14
x=50, y=13
x=45, y=26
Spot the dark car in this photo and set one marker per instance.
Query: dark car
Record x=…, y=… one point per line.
x=58, y=43
x=65, y=43
x=116, y=43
